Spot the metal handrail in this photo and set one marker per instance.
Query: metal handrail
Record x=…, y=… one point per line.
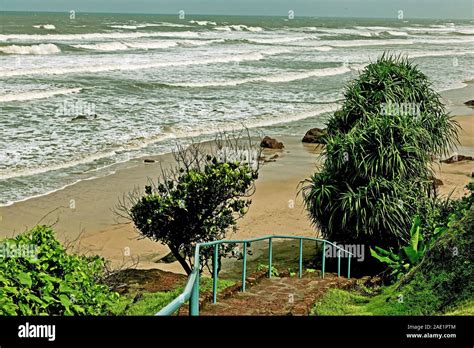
x=191, y=290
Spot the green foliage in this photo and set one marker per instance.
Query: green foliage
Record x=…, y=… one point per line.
x=53, y=282
x=198, y=205
x=408, y=256
x=376, y=175
x=440, y=283
x=152, y=302
x=262, y=267
x=449, y=214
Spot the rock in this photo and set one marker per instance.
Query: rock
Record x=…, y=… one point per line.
x=470, y=103
x=315, y=136
x=472, y=175
x=271, y=143
x=436, y=181
x=458, y=158
x=84, y=117
x=79, y=118
x=146, y=160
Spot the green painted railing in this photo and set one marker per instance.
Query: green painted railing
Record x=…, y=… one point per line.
x=191, y=290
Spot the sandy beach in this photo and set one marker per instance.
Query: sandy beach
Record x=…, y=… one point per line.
x=83, y=215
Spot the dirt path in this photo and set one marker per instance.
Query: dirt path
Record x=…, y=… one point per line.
x=277, y=296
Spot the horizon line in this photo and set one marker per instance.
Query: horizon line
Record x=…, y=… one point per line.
x=234, y=15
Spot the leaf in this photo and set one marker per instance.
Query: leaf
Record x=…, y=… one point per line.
x=412, y=254
x=381, y=258
x=65, y=301
x=25, y=279
x=415, y=232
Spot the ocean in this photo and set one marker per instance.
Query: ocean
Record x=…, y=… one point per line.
x=83, y=94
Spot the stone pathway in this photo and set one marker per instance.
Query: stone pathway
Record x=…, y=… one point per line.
x=277, y=296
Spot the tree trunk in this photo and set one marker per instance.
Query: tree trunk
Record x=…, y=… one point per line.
x=181, y=260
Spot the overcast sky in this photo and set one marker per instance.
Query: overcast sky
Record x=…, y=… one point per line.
x=455, y=9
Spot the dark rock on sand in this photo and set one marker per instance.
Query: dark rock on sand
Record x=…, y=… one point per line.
x=470, y=103
x=83, y=117
x=458, y=158
x=149, y=160
x=271, y=143
x=315, y=136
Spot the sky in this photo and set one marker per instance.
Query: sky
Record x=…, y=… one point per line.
x=443, y=9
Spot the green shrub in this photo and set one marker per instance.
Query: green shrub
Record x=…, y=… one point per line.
x=376, y=175
x=449, y=213
x=49, y=281
x=195, y=206
x=440, y=284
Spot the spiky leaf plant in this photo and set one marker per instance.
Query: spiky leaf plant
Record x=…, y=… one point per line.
x=376, y=176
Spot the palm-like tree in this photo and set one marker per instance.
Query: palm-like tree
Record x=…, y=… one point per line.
x=376, y=175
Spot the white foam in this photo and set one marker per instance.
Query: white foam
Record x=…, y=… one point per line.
x=132, y=145
x=200, y=42
x=358, y=32
x=238, y=27
x=359, y=43
x=397, y=33
x=203, y=23
x=279, y=78
x=277, y=40
x=253, y=56
x=165, y=24
x=34, y=49
x=323, y=48
x=122, y=46
x=96, y=36
x=132, y=27
x=31, y=95
x=441, y=29
x=436, y=54
x=45, y=26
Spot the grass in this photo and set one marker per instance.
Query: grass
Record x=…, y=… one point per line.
x=152, y=302
x=466, y=308
x=389, y=302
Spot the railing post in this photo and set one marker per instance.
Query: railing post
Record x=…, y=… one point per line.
x=244, y=269
x=194, y=300
x=349, y=267
x=214, y=264
x=323, y=268
x=339, y=263
x=269, y=257
x=300, y=273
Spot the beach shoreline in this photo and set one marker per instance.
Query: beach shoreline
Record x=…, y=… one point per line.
x=82, y=214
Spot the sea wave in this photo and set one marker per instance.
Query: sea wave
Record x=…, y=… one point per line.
x=33, y=49
x=133, y=144
x=277, y=40
x=278, y=78
x=45, y=26
x=238, y=27
x=252, y=56
x=199, y=42
x=203, y=23
x=164, y=24
x=32, y=95
x=359, y=43
x=96, y=36
x=132, y=27
x=122, y=46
